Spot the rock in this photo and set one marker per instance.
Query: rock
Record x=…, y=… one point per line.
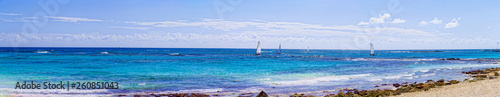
x=377, y=86
x=396, y=85
x=341, y=94
x=422, y=86
x=440, y=82
x=452, y=59
x=262, y=94
x=363, y=92
x=430, y=82
x=405, y=84
x=296, y=95
x=454, y=82
x=480, y=76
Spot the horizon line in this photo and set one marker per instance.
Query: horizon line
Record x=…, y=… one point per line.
x=244, y=48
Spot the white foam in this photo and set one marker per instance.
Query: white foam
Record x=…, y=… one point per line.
x=104, y=53
x=251, y=90
x=320, y=79
x=214, y=90
x=201, y=90
x=173, y=54
x=390, y=87
x=405, y=75
x=382, y=59
x=425, y=70
x=425, y=75
x=42, y=52
x=374, y=79
x=400, y=51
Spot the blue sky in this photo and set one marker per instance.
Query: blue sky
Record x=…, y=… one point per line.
x=296, y=24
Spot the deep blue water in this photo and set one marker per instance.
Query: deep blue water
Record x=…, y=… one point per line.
x=236, y=70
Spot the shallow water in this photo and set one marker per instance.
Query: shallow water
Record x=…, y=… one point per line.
x=235, y=70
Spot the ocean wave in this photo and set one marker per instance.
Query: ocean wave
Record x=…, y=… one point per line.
x=425, y=70
x=320, y=79
x=382, y=59
x=426, y=75
x=399, y=51
x=251, y=90
x=399, y=76
x=374, y=79
x=174, y=54
x=214, y=90
x=104, y=53
x=42, y=52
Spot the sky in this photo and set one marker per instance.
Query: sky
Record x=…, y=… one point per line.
x=296, y=24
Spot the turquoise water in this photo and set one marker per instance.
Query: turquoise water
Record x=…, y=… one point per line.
x=236, y=70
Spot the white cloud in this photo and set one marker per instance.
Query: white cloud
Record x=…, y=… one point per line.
x=73, y=19
x=453, y=23
x=380, y=18
x=9, y=14
x=7, y=20
x=61, y=19
x=136, y=28
x=363, y=23
x=283, y=28
x=422, y=23
x=435, y=21
x=398, y=20
x=386, y=17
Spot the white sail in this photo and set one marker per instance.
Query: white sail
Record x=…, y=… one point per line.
x=307, y=48
x=372, y=51
x=258, y=49
x=279, y=49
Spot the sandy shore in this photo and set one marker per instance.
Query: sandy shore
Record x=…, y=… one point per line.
x=484, y=88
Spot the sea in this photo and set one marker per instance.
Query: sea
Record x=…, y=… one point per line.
x=232, y=71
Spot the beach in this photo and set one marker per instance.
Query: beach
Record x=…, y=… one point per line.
x=484, y=88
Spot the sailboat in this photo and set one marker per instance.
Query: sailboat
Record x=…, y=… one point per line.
x=308, y=48
x=279, y=49
x=372, y=51
x=258, y=49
